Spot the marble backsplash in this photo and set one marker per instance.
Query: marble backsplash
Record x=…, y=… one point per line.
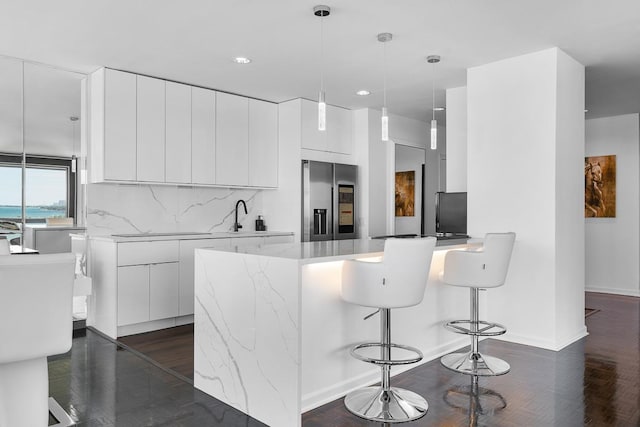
x=145, y=208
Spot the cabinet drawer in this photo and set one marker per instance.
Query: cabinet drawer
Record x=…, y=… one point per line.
x=134, y=253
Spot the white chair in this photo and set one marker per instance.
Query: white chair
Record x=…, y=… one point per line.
x=397, y=281
x=35, y=322
x=478, y=269
x=4, y=246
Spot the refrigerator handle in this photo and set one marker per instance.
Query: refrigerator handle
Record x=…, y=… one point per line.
x=333, y=212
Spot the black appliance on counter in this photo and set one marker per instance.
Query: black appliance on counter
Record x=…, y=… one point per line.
x=451, y=214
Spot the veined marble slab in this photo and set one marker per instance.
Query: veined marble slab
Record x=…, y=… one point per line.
x=247, y=320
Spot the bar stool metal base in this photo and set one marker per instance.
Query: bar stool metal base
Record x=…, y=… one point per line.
x=475, y=364
x=395, y=405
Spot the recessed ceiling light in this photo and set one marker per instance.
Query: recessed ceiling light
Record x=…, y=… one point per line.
x=241, y=60
x=439, y=109
x=363, y=93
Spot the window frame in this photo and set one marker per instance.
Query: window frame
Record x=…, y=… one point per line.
x=46, y=162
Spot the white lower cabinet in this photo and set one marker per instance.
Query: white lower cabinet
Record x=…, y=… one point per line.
x=147, y=292
x=133, y=294
x=163, y=290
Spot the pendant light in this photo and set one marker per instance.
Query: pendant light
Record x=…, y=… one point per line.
x=433, y=59
x=321, y=11
x=384, y=38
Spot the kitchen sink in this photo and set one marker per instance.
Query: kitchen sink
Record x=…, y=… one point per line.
x=178, y=233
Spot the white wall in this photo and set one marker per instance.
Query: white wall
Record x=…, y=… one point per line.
x=612, y=244
x=519, y=114
x=457, y=139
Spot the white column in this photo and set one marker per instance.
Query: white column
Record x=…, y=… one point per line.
x=525, y=174
x=457, y=139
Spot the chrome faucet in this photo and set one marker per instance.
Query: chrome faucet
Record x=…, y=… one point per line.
x=237, y=225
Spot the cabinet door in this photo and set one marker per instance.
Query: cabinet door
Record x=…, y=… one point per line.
x=150, y=129
x=203, y=136
x=263, y=143
x=312, y=138
x=133, y=294
x=187, y=264
x=232, y=139
x=339, y=130
x=120, y=126
x=178, y=133
x=163, y=290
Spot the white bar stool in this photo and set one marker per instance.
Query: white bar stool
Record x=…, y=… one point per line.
x=35, y=322
x=478, y=269
x=398, y=280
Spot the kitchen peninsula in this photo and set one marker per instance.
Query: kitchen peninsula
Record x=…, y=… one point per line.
x=272, y=334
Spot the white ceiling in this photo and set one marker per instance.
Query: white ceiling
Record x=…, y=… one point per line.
x=193, y=41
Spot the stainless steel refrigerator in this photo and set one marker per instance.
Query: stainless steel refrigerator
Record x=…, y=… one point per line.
x=329, y=192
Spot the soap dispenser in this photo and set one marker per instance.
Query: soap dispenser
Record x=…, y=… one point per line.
x=260, y=224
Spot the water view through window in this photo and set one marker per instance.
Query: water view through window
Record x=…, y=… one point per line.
x=45, y=192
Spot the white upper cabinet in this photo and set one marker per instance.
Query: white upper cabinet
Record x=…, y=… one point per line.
x=232, y=139
x=178, y=133
x=203, y=136
x=117, y=125
x=337, y=138
x=150, y=129
x=339, y=130
x=312, y=138
x=263, y=144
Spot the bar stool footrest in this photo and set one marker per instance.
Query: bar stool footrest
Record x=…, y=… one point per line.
x=375, y=361
x=476, y=364
x=484, y=328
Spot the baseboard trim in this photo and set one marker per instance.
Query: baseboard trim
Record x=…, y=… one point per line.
x=545, y=344
x=615, y=291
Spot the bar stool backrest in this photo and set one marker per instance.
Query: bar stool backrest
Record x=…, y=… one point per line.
x=484, y=268
x=399, y=280
x=4, y=246
x=36, y=295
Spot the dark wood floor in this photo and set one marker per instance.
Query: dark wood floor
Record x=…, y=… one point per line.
x=171, y=348
x=593, y=382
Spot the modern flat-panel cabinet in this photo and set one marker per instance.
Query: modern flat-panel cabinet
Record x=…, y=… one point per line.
x=150, y=136
x=163, y=290
x=232, y=139
x=203, y=136
x=150, y=130
x=337, y=138
x=113, y=119
x=148, y=281
x=263, y=143
x=178, y=133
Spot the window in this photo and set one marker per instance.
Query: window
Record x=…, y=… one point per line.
x=49, y=188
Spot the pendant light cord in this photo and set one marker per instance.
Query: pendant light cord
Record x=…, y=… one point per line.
x=433, y=91
x=321, y=52
x=384, y=79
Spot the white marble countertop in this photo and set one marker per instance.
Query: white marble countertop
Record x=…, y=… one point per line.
x=42, y=226
x=185, y=235
x=333, y=250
